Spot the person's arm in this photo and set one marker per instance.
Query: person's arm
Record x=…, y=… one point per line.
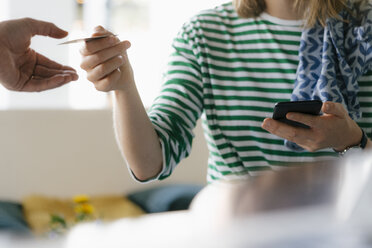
x=153, y=143
x=108, y=67
x=23, y=69
x=136, y=135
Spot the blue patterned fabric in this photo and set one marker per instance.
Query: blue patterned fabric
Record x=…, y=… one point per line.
x=332, y=59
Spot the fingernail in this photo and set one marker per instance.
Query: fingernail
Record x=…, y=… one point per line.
x=75, y=77
x=127, y=44
x=98, y=28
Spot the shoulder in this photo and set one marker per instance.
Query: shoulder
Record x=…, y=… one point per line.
x=220, y=17
x=222, y=13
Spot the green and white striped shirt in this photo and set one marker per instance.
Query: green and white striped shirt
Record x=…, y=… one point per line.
x=230, y=72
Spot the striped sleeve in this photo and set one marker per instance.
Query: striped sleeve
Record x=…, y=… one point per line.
x=176, y=110
x=365, y=101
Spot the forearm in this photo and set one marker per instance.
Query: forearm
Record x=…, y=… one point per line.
x=136, y=135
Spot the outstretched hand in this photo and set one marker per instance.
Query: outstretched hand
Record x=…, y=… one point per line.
x=22, y=68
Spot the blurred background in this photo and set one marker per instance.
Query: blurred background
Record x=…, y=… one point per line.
x=61, y=142
x=149, y=25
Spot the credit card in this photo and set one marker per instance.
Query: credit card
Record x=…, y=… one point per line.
x=86, y=39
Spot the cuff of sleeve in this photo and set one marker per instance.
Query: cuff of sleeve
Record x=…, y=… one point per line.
x=158, y=176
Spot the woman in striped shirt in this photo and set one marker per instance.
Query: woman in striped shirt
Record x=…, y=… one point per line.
x=229, y=66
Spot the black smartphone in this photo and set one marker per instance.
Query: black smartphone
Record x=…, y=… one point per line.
x=311, y=107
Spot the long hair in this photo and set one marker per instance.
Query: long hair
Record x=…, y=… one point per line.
x=314, y=10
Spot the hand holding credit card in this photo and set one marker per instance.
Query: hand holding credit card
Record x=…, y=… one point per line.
x=86, y=39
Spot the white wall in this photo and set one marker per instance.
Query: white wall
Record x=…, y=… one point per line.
x=63, y=153
x=166, y=18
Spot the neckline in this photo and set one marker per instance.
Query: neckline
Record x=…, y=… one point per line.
x=280, y=21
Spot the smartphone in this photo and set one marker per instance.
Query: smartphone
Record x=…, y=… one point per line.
x=311, y=107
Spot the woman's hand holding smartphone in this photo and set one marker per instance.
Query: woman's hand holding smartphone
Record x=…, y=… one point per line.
x=312, y=131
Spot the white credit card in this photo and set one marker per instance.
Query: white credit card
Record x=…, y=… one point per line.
x=86, y=39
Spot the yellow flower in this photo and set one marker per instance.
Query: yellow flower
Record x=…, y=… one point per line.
x=87, y=208
x=81, y=199
x=84, y=208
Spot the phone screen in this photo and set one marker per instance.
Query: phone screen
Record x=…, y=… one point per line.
x=281, y=109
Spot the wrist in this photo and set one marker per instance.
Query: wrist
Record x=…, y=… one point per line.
x=354, y=140
x=126, y=80
x=127, y=92
x=124, y=84
x=362, y=144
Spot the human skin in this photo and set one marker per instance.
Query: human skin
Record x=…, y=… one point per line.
x=334, y=129
x=108, y=68
x=22, y=68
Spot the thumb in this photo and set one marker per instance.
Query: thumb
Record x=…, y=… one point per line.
x=99, y=30
x=334, y=108
x=45, y=28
